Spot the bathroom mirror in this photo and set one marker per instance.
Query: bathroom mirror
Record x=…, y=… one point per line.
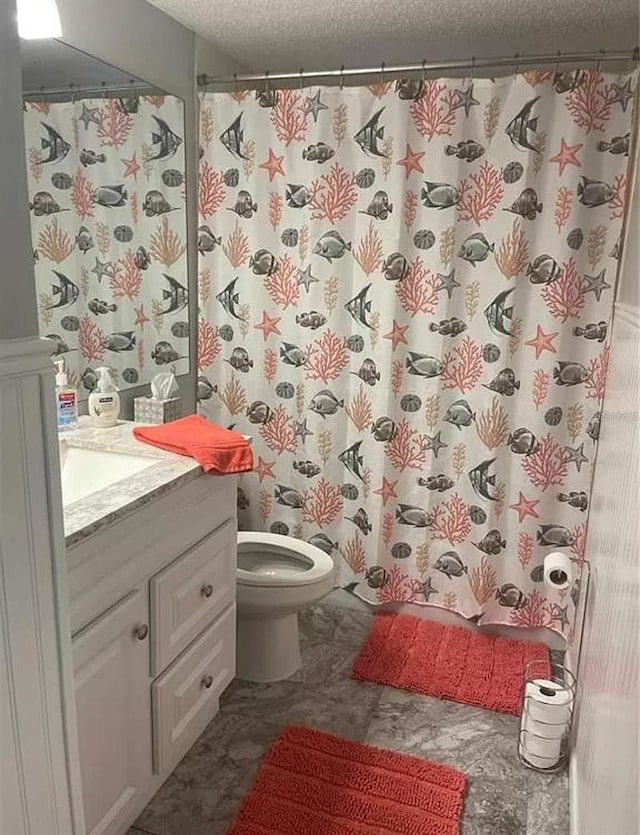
x=106, y=172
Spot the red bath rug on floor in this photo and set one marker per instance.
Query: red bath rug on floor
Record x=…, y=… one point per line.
x=447, y=661
x=311, y=783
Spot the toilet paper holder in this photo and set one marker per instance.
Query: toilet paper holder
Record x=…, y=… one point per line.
x=546, y=731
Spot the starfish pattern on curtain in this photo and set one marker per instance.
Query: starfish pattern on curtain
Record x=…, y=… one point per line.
x=405, y=295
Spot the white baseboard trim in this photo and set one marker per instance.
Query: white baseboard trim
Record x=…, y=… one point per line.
x=574, y=824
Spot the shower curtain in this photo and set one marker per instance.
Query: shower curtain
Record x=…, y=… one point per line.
x=107, y=206
x=405, y=293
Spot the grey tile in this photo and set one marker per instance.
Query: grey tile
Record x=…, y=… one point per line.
x=179, y=806
x=324, y=663
x=204, y=792
x=476, y=741
x=317, y=624
x=193, y=798
x=339, y=706
x=321, y=696
x=352, y=628
x=495, y=807
x=548, y=803
x=324, y=624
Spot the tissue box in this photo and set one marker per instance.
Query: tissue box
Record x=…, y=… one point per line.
x=148, y=410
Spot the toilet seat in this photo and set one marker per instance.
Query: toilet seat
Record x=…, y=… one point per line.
x=272, y=560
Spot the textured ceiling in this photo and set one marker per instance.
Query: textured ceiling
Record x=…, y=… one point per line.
x=290, y=34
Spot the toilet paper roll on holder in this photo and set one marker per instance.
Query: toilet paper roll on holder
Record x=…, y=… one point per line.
x=563, y=678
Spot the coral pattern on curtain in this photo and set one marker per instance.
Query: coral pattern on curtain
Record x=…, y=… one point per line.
x=405, y=292
x=108, y=229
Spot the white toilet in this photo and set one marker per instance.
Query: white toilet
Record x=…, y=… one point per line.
x=276, y=577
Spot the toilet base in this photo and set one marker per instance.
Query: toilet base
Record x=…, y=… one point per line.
x=268, y=649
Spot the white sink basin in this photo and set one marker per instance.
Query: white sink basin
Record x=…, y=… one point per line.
x=85, y=471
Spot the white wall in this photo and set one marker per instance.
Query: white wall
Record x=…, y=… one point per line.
x=18, y=315
x=604, y=768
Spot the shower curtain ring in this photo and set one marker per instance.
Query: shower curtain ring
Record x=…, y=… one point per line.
x=424, y=69
x=599, y=64
x=342, y=77
x=382, y=73
x=558, y=54
x=516, y=59
x=74, y=93
x=104, y=89
x=301, y=77
x=473, y=68
x=235, y=82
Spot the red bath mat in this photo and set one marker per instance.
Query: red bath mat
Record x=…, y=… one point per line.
x=447, y=661
x=311, y=783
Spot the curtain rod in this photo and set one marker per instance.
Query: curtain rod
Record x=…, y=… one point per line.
x=103, y=90
x=516, y=61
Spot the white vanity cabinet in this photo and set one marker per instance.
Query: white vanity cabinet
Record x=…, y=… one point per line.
x=153, y=616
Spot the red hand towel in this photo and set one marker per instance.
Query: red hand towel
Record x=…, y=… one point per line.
x=216, y=449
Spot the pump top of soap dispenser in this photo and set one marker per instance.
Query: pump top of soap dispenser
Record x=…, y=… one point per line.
x=105, y=381
x=61, y=374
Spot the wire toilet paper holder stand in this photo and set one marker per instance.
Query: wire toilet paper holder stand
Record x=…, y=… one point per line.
x=561, y=676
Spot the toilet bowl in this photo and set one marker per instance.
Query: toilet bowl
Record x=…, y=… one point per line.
x=277, y=576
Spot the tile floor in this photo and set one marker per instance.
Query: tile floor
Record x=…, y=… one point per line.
x=503, y=797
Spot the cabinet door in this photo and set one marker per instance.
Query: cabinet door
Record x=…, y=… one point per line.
x=113, y=703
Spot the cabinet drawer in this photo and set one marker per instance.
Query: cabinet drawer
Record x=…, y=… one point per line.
x=190, y=592
x=185, y=697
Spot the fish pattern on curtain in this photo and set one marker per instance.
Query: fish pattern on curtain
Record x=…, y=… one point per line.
x=405, y=293
x=108, y=229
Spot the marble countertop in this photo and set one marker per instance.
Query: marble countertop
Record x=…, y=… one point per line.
x=90, y=514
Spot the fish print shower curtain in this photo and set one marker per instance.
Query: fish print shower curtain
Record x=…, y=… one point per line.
x=405, y=295
x=108, y=229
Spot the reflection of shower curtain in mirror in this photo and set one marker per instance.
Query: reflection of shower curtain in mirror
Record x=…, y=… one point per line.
x=107, y=206
x=405, y=293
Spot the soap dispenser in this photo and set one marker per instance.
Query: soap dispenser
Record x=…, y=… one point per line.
x=104, y=402
x=66, y=399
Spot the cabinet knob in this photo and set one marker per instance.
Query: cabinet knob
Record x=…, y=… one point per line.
x=207, y=590
x=141, y=632
x=207, y=681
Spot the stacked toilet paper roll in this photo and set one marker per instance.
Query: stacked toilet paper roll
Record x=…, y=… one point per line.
x=545, y=720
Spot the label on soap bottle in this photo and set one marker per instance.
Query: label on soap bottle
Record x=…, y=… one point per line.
x=104, y=408
x=66, y=409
